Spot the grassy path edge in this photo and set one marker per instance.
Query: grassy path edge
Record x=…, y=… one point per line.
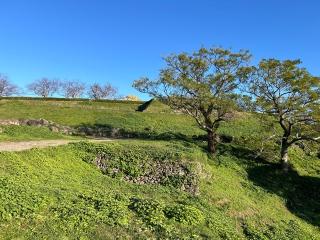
x=26, y=145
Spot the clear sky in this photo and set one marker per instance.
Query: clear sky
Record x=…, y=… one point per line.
x=119, y=41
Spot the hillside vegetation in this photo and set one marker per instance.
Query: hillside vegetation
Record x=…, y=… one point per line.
x=107, y=114
x=160, y=185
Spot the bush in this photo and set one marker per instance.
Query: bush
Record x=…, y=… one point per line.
x=85, y=211
x=185, y=214
x=284, y=231
x=150, y=211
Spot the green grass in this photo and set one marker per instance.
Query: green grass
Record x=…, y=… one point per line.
x=25, y=133
x=60, y=193
x=122, y=115
x=156, y=122
x=57, y=193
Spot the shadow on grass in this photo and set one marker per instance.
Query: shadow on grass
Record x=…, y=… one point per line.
x=301, y=193
x=243, y=155
x=106, y=130
x=144, y=106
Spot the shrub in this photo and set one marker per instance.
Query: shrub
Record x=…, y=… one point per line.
x=151, y=213
x=185, y=214
x=83, y=211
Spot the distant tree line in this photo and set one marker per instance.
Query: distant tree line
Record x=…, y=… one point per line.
x=46, y=87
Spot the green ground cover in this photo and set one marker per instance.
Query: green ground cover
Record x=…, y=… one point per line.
x=121, y=115
x=25, y=133
x=59, y=193
x=114, y=190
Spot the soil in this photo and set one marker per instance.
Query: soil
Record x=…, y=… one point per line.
x=25, y=145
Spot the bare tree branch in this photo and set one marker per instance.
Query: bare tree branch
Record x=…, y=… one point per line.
x=6, y=87
x=72, y=89
x=98, y=91
x=44, y=87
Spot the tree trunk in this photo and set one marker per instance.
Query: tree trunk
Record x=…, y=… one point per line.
x=212, y=142
x=285, y=155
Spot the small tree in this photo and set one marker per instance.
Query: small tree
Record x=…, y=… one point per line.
x=72, y=89
x=6, y=87
x=200, y=84
x=44, y=87
x=291, y=95
x=97, y=91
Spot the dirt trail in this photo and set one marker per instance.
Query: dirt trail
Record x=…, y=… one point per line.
x=25, y=145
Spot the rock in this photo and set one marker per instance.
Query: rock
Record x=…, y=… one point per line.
x=39, y=123
x=9, y=122
x=44, y=122
x=88, y=131
x=54, y=129
x=33, y=122
x=65, y=130
x=115, y=132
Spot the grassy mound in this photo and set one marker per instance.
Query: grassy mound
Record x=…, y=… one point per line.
x=137, y=164
x=58, y=193
x=143, y=189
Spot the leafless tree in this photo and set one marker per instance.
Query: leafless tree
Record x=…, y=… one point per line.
x=6, y=87
x=72, y=89
x=44, y=87
x=97, y=91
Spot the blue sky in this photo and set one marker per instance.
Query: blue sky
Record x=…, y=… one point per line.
x=119, y=41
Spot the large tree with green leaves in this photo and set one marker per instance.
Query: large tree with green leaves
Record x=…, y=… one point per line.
x=291, y=95
x=200, y=84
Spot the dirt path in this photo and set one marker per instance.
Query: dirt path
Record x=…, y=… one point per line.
x=20, y=146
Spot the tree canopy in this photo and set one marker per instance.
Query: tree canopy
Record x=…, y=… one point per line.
x=291, y=95
x=200, y=84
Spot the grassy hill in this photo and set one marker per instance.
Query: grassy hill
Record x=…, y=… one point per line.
x=115, y=114
x=161, y=185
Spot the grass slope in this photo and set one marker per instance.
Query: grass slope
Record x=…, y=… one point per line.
x=56, y=193
x=59, y=193
x=121, y=115
x=25, y=133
